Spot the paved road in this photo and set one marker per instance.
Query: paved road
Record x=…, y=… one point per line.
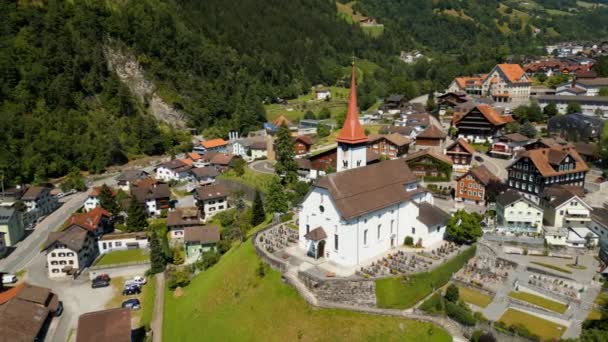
x=497, y=166
x=262, y=166
x=28, y=248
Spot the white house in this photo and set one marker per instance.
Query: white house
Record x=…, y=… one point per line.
x=362, y=211
x=40, y=200
x=599, y=223
x=507, y=83
x=122, y=241
x=126, y=178
x=564, y=207
x=517, y=214
x=211, y=199
x=582, y=87
x=92, y=200
x=322, y=94
x=69, y=251
x=173, y=170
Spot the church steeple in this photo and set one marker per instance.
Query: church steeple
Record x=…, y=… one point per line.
x=352, y=141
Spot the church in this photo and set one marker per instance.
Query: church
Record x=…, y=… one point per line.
x=362, y=211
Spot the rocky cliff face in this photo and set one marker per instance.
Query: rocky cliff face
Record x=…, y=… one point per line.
x=131, y=73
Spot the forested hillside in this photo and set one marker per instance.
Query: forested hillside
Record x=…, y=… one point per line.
x=218, y=61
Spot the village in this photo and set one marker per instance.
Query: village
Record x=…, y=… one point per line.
x=378, y=199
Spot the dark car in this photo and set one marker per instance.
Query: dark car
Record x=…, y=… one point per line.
x=104, y=277
x=59, y=310
x=131, y=290
x=97, y=283
x=479, y=159
x=132, y=304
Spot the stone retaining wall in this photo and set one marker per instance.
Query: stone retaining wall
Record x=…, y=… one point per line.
x=361, y=292
x=273, y=261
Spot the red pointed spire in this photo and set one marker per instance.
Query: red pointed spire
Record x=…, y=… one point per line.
x=352, y=132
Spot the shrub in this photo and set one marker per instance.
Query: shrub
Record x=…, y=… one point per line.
x=208, y=259
x=178, y=255
x=409, y=241
x=287, y=217
x=480, y=317
x=433, y=305
x=261, y=270
x=163, y=213
x=459, y=313
x=178, y=278
x=451, y=294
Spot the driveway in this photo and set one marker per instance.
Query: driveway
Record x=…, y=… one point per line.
x=28, y=248
x=497, y=166
x=262, y=166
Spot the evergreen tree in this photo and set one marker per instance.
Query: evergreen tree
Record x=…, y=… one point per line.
x=550, y=110
x=286, y=166
x=259, y=215
x=157, y=257
x=276, y=199
x=451, y=293
x=528, y=130
x=107, y=200
x=136, y=220
x=573, y=107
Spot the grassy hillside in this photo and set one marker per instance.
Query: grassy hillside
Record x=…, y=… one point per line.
x=230, y=302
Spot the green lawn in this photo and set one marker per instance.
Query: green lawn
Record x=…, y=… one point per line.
x=471, y=296
x=551, y=266
x=147, y=302
x=541, y=327
x=482, y=148
x=230, y=302
x=399, y=293
x=297, y=107
x=122, y=257
x=594, y=314
x=257, y=180
x=540, y=301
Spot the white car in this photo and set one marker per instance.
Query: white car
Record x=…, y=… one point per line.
x=9, y=279
x=137, y=281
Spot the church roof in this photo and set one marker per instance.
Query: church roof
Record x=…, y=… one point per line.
x=431, y=215
x=352, y=131
x=366, y=189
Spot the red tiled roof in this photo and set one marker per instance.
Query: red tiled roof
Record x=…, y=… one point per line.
x=464, y=144
x=513, y=72
x=543, y=158
x=194, y=156
x=304, y=139
x=433, y=132
x=489, y=113
x=89, y=221
x=352, y=131
x=214, y=143
x=10, y=293
x=482, y=174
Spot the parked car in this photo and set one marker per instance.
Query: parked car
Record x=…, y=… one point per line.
x=132, y=304
x=59, y=310
x=479, y=159
x=9, y=278
x=99, y=282
x=137, y=281
x=131, y=290
x=104, y=277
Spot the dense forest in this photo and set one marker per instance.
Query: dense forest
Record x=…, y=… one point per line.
x=218, y=61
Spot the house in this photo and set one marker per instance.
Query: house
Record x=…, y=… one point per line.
x=481, y=123
x=205, y=175
x=555, y=142
x=180, y=219
x=93, y=200
x=590, y=105
x=405, y=131
x=199, y=240
x=349, y=222
x=393, y=104
x=126, y=178
x=173, y=170
x=476, y=185
x=368, y=21
x=97, y=221
x=430, y=165
x=583, y=86
x=211, y=199
x=469, y=85
x=215, y=145
x=69, y=251
x=588, y=151
x=302, y=144
x=507, y=145
x=3, y=248
x=110, y=325
x=322, y=94
x=517, y=214
x=242, y=147
x=389, y=146
x=534, y=170
x=599, y=225
x=576, y=127
x=26, y=312
x=417, y=121
x=154, y=196
x=122, y=241
x=507, y=83
x=224, y=161
x=461, y=153
x=11, y=225
x=194, y=159
x=451, y=100
x=431, y=137
x=38, y=199
x=259, y=150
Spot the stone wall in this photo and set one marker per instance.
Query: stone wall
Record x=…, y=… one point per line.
x=273, y=261
x=360, y=292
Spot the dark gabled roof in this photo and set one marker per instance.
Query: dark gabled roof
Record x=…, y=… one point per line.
x=429, y=153
x=144, y=192
x=207, y=171
x=222, y=159
x=316, y=234
x=433, y=132
x=362, y=190
x=586, y=149
x=464, y=144
x=510, y=196
x=482, y=174
x=403, y=130
x=259, y=145
x=21, y=320
x=597, y=82
x=516, y=137
x=600, y=215
x=132, y=175
x=34, y=192
x=174, y=164
x=183, y=217
x=202, y=234
x=394, y=138
x=431, y=215
x=111, y=325
x=559, y=194
x=303, y=164
x=210, y=192
x=73, y=237
x=304, y=139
